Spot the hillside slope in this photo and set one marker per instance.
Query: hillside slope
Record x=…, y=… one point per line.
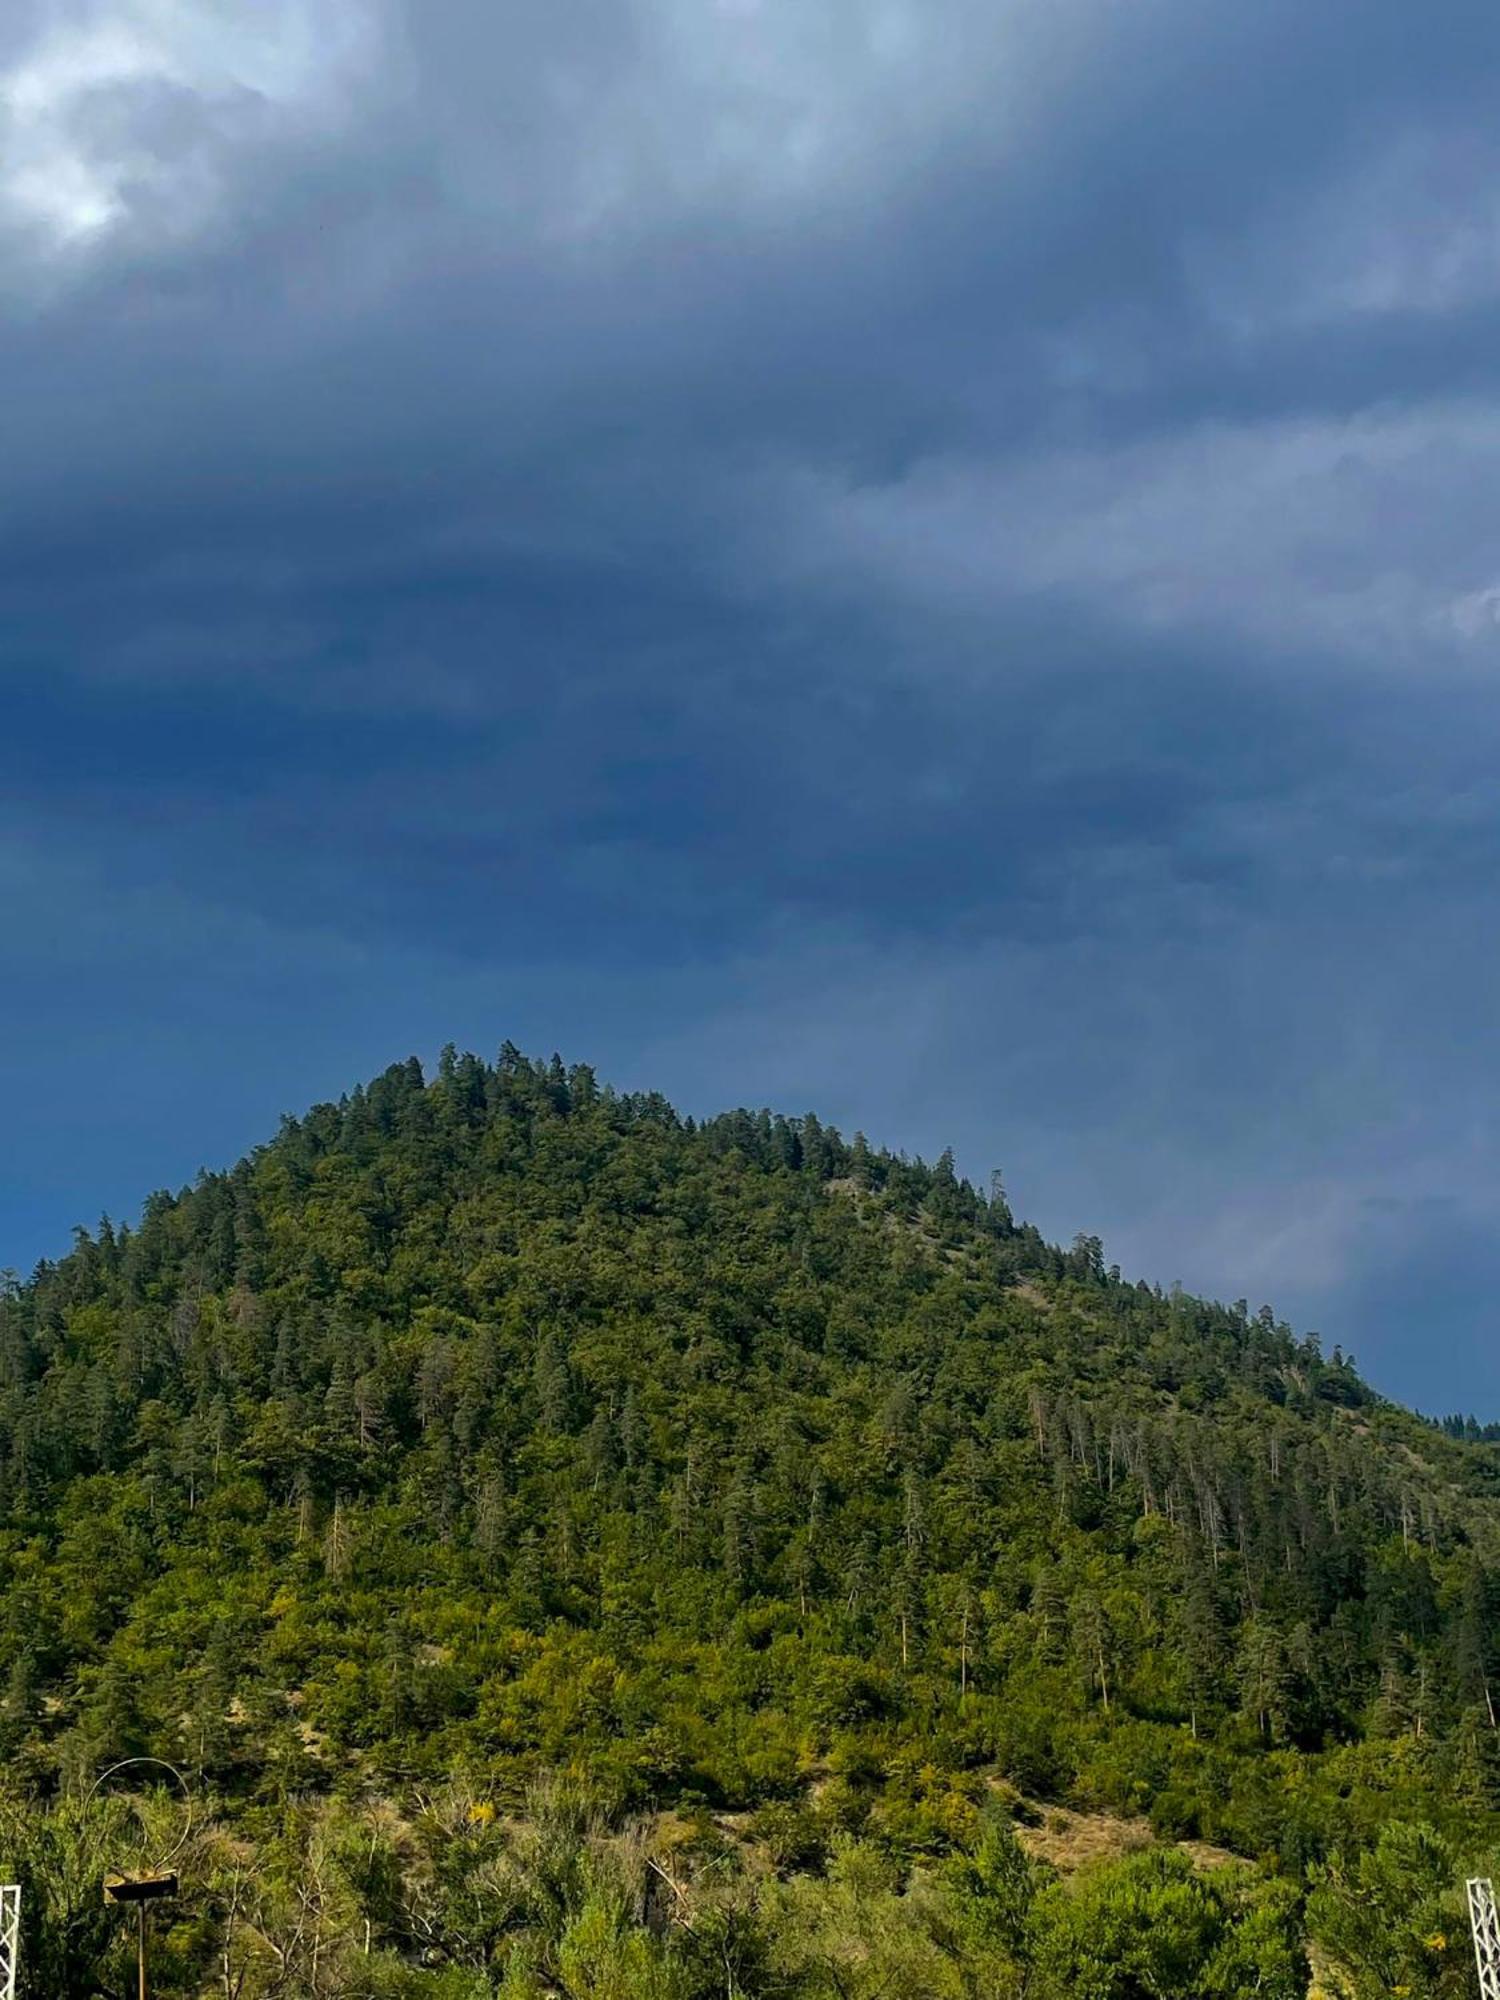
x=496, y=1426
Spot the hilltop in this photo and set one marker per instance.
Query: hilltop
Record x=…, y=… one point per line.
x=767, y=1520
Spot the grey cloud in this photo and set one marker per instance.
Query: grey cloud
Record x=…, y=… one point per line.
x=1364, y=539
x=936, y=557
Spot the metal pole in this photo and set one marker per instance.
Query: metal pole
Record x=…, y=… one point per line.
x=10, y=1938
x=140, y=1947
x=1485, y=1925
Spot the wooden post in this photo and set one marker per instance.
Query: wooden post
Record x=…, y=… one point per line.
x=140, y=1890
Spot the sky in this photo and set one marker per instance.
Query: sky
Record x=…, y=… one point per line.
x=933, y=561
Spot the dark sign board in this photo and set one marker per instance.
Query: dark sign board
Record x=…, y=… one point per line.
x=138, y=1888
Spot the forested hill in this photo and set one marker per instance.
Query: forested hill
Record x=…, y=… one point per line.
x=498, y=1424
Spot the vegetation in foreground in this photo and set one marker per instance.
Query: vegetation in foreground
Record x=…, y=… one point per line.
x=571, y=1549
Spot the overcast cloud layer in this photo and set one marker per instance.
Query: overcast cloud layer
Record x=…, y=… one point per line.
x=935, y=562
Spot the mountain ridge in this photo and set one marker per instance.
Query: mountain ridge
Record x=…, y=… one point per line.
x=498, y=1429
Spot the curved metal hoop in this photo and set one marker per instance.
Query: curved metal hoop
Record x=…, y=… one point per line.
x=161, y=1764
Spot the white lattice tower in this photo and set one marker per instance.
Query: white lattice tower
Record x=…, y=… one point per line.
x=10, y=1938
x=1485, y=1925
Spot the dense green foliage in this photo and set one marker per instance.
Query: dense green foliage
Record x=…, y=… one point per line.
x=499, y=1429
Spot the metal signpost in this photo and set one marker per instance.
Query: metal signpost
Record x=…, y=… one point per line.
x=1485, y=1925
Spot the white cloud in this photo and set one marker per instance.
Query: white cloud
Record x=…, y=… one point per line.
x=125, y=112
x=532, y=124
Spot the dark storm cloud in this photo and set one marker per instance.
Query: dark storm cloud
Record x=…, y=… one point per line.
x=933, y=562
